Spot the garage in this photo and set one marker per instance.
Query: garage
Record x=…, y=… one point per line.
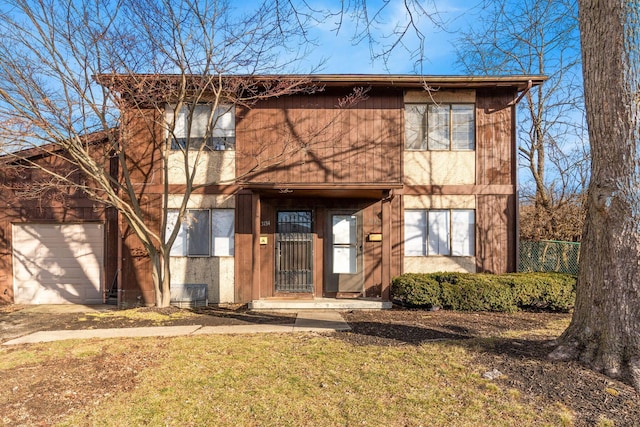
x=58, y=263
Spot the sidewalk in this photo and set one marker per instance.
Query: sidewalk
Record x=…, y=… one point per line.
x=306, y=321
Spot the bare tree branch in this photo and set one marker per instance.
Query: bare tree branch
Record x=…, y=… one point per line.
x=539, y=37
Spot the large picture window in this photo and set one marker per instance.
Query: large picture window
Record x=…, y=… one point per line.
x=200, y=124
x=203, y=233
x=440, y=127
x=442, y=232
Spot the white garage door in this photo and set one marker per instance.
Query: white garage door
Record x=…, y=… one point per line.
x=58, y=263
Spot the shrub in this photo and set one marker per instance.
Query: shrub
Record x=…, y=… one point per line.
x=416, y=290
x=486, y=292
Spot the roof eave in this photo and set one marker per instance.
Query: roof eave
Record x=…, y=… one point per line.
x=520, y=82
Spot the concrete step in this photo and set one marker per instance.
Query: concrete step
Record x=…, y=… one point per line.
x=319, y=304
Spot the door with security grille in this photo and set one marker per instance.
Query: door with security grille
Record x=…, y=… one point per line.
x=294, y=252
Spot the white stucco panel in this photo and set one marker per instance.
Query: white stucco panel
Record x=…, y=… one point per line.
x=439, y=167
x=203, y=201
x=434, y=264
x=213, y=167
x=216, y=272
x=435, y=201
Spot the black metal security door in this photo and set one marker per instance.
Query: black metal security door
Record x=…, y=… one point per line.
x=294, y=251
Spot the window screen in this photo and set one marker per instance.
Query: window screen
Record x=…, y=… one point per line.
x=203, y=232
x=440, y=127
x=439, y=232
x=463, y=232
x=192, y=125
x=222, y=230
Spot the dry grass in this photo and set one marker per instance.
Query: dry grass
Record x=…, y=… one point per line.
x=293, y=380
x=269, y=380
x=551, y=329
x=138, y=314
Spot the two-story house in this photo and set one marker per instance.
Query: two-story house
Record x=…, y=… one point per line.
x=307, y=197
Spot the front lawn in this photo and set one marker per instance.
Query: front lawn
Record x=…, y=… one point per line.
x=357, y=378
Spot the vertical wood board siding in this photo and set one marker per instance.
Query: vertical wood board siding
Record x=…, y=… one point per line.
x=243, y=248
x=495, y=138
x=309, y=139
x=496, y=233
x=50, y=205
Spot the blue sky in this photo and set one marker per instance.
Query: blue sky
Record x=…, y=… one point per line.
x=341, y=55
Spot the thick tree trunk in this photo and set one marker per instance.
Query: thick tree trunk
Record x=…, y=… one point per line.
x=605, y=330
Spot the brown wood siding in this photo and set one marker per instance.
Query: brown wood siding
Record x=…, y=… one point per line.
x=397, y=236
x=374, y=283
x=45, y=205
x=495, y=145
x=142, y=138
x=496, y=214
x=136, y=285
x=496, y=233
x=6, y=266
x=268, y=230
x=243, y=248
x=372, y=216
x=309, y=139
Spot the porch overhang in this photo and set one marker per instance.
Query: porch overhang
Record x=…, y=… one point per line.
x=376, y=191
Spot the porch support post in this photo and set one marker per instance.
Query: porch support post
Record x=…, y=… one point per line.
x=255, y=246
x=386, y=249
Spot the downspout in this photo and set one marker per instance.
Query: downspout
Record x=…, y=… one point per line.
x=522, y=94
x=516, y=267
x=119, y=263
x=115, y=170
x=515, y=174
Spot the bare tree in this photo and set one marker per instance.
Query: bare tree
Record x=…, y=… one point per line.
x=70, y=68
x=605, y=329
x=389, y=30
x=539, y=37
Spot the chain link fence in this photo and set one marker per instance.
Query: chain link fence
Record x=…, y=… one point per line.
x=549, y=255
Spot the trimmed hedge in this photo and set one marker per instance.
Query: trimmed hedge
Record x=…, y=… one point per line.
x=486, y=292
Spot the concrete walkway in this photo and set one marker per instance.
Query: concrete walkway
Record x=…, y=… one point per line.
x=306, y=321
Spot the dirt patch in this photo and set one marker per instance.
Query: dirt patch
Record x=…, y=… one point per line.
x=518, y=364
x=594, y=398
x=16, y=321
x=45, y=393
x=41, y=394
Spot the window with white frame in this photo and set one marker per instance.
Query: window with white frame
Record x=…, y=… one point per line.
x=448, y=232
x=200, y=124
x=440, y=127
x=203, y=233
x=222, y=231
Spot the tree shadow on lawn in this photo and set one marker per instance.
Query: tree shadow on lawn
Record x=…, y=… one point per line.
x=223, y=316
x=522, y=365
x=386, y=334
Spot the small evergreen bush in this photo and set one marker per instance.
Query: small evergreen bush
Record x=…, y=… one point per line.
x=417, y=290
x=486, y=292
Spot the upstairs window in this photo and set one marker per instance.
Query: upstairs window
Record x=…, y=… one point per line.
x=440, y=127
x=192, y=127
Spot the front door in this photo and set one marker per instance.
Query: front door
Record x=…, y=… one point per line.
x=294, y=252
x=344, y=272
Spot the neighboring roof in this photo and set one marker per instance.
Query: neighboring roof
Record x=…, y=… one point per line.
x=139, y=82
x=53, y=148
